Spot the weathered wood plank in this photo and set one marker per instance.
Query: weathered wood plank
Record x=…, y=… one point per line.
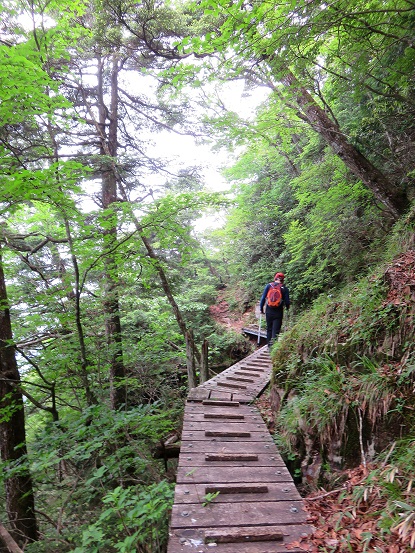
x=227, y=434
x=219, y=395
x=199, y=435
x=242, y=398
x=192, y=541
x=240, y=513
x=244, y=535
x=220, y=403
x=225, y=417
x=236, y=489
x=210, y=457
x=244, y=372
x=222, y=426
x=197, y=394
x=253, y=369
x=228, y=493
x=230, y=446
x=240, y=379
x=191, y=459
x=231, y=416
x=218, y=407
x=231, y=385
x=228, y=475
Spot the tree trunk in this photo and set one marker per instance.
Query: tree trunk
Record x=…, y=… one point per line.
x=8, y=541
x=20, y=504
x=204, y=372
x=384, y=191
x=190, y=360
x=118, y=393
x=162, y=275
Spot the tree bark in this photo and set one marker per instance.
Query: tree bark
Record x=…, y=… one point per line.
x=204, y=373
x=190, y=360
x=20, y=504
x=162, y=275
x=393, y=199
x=118, y=391
x=8, y=540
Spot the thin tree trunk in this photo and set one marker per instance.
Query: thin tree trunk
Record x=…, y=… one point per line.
x=162, y=275
x=190, y=360
x=85, y=364
x=383, y=190
x=20, y=503
x=204, y=369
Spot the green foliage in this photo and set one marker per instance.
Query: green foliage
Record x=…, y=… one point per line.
x=132, y=520
x=111, y=494
x=209, y=497
x=342, y=362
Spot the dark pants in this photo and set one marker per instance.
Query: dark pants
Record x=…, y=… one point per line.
x=274, y=322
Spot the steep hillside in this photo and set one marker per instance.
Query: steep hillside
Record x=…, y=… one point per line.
x=344, y=407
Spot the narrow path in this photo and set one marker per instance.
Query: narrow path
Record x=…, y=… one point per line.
x=232, y=485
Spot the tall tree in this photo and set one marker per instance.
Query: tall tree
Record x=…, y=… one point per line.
x=20, y=504
x=281, y=45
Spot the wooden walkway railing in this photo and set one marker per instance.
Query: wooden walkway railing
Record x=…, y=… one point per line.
x=232, y=485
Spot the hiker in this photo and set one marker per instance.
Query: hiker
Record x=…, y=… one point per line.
x=276, y=296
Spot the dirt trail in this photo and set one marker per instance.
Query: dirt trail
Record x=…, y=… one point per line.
x=222, y=314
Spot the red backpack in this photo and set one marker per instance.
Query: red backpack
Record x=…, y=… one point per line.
x=274, y=295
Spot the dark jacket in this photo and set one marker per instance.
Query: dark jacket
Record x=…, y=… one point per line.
x=285, y=298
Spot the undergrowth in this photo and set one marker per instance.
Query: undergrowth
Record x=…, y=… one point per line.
x=343, y=388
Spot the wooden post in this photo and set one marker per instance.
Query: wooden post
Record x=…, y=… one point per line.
x=204, y=376
x=190, y=359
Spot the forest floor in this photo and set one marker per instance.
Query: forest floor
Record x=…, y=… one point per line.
x=341, y=523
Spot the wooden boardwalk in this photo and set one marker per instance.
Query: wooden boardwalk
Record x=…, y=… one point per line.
x=232, y=485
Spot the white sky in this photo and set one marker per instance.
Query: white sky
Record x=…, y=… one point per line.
x=187, y=152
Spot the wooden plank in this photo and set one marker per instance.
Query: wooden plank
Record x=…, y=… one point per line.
x=218, y=395
x=200, y=408
x=227, y=434
x=198, y=394
x=222, y=426
x=246, y=373
x=228, y=418
x=240, y=513
x=191, y=459
x=244, y=535
x=191, y=540
x=231, y=416
x=199, y=435
x=230, y=385
x=228, y=493
x=244, y=399
x=240, y=379
x=228, y=475
x=231, y=457
x=239, y=489
x=220, y=403
x=252, y=369
x=230, y=446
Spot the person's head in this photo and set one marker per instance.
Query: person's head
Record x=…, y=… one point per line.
x=279, y=276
